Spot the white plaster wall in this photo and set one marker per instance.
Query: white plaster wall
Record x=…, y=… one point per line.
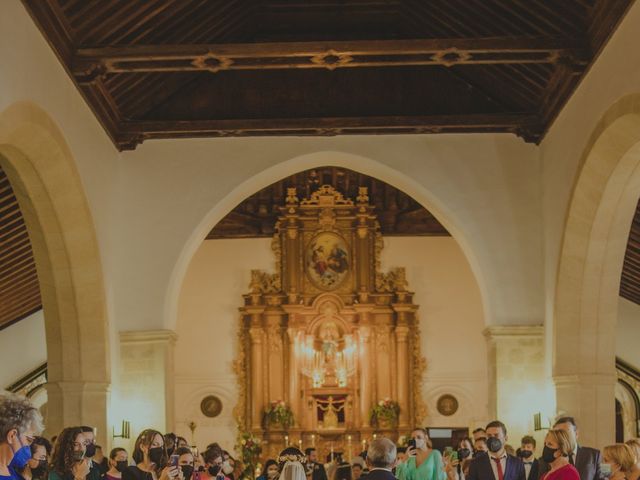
x=22, y=348
x=628, y=332
x=450, y=315
x=616, y=73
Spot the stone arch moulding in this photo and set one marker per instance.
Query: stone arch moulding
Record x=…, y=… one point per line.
x=43, y=174
x=593, y=246
x=357, y=163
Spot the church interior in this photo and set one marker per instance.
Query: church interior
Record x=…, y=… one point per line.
x=317, y=223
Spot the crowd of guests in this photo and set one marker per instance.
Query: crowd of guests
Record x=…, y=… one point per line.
x=74, y=455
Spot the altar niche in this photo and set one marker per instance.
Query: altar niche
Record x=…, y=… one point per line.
x=328, y=333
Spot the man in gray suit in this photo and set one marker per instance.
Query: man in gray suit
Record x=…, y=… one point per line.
x=585, y=459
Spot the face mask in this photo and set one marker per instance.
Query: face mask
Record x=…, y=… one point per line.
x=90, y=450
x=40, y=470
x=420, y=443
x=156, y=455
x=122, y=465
x=78, y=455
x=226, y=467
x=476, y=453
x=548, y=454
x=494, y=444
x=605, y=469
x=525, y=453
x=214, y=470
x=187, y=471
x=21, y=457
x=463, y=453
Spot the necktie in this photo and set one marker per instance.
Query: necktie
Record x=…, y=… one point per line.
x=571, y=461
x=499, y=466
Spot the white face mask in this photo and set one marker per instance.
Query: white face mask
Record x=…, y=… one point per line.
x=420, y=443
x=226, y=467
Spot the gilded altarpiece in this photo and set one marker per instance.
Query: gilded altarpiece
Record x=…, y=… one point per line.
x=328, y=333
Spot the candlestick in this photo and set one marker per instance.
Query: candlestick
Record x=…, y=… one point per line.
x=286, y=441
x=300, y=444
x=364, y=445
x=313, y=440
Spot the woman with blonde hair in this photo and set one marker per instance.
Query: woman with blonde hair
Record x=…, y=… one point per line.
x=618, y=461
x=634, y=443
x=558, y=444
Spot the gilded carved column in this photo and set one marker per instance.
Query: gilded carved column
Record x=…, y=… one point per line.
x=365, y=375
x=294, y=387
x=403, y=377
x=257, y=400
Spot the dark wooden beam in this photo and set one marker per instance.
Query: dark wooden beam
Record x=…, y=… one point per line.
x=524, y=125
x=329, y=55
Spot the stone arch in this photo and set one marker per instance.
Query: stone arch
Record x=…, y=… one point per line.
x=43, y=174
x=357, y=163
x=595, y=236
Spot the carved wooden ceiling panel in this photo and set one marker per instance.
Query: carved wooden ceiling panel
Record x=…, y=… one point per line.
x=19, y=287
x=398, y=213
x=630, y=280
x=190, y=68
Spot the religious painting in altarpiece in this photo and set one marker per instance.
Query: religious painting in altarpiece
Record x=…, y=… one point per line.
x=329, y=345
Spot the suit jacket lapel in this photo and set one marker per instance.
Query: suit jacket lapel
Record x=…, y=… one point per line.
x=508, y=467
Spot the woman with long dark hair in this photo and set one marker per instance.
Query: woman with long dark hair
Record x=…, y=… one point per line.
x=68, y=460
x=150, y=456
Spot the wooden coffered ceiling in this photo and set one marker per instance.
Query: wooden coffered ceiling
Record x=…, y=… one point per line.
x=630, y=280
x=189, y=68
x=398, y=213
x=19, y=287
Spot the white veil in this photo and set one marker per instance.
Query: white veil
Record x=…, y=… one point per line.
x=293, y=471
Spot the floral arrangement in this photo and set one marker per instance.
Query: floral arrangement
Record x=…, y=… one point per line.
x=250, y=450
x=278, y=413
x=386, y=411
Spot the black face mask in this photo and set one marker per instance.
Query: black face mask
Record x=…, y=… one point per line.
x=40, y=470
x=156, y=455
x=494, y=444
x=548, y=454
x=77, y=455
x=90, y=450
x=122, y=465
x=525, y=453
x=463, y=453
x=187, y=471
x=214, y=470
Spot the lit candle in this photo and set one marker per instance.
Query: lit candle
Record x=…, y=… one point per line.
x=286, y=440
x=375, y=436
x=364, y=444
x=332, y=453
x=300, y=444
x=313, y=440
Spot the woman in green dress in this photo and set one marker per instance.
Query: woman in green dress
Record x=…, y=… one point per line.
x=423, y=462
x=68, y=461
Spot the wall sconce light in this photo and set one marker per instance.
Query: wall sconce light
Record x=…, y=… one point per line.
x=125, y=430
x=537, y=422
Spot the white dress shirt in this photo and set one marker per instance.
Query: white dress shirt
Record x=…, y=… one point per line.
x=494, y=465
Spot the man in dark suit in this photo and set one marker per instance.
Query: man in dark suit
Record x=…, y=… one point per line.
x=381, y=458
x=496, y=464
x=528, y=455
x=317, y=469
x=585, y=459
